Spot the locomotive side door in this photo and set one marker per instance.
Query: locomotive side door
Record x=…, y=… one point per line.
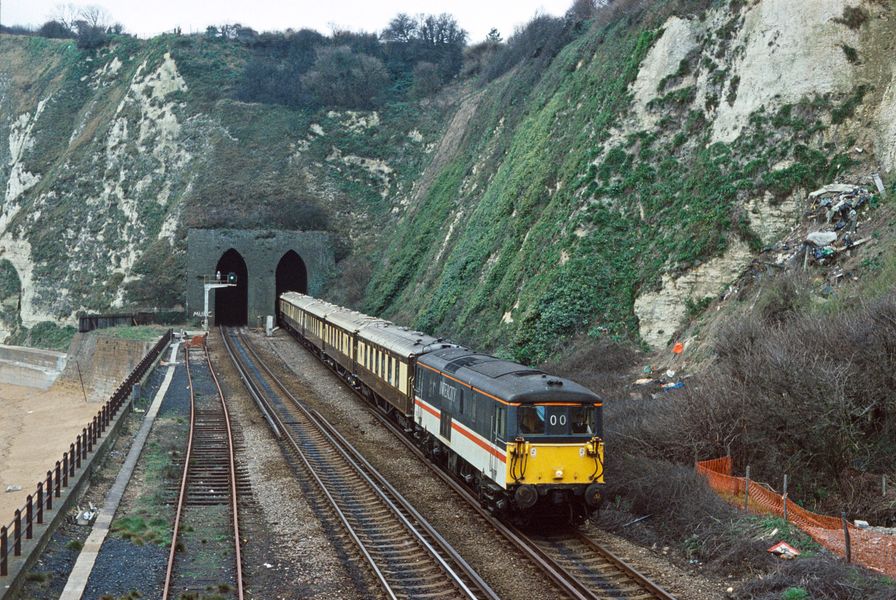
x=497, y=438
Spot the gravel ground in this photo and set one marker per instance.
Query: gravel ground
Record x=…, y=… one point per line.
x=47, y=578
x=293, y=549
x=510, y=575
x=124, y=565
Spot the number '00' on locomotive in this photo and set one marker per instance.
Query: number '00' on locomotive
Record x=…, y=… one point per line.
x=529, y=443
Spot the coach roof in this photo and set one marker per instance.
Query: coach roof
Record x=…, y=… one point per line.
x=400, y=340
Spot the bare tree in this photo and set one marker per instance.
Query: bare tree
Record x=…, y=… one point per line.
x=66, y=14
x=94, y=16
x=402, y=29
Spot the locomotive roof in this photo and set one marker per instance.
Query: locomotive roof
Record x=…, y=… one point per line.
x=510, y=381
x=400, y=340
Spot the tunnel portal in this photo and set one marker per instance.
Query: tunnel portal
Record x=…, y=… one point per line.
x=232, y=303
x=267, y=263
x=291, y=276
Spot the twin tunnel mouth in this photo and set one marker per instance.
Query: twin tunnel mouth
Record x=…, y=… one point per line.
x=231, y=305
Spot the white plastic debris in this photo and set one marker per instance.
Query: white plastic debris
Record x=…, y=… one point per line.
x=861, y=524
x=86, y=517
x=13, y=488
x=834, y=188
x=822, y=238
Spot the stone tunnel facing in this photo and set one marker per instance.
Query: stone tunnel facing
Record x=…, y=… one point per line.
x=232, y=303
x=291, y=276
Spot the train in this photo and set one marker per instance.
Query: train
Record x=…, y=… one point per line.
x=528, y=443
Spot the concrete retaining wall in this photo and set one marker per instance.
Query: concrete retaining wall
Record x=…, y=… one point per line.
x=30, y=367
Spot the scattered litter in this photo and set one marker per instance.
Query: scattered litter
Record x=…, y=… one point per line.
x=643, y=381
x=861, y=524
x=268, y=565
x=13, y=488
x=784, y=550
x=673, y=386
x=670, y=373
x=86, y=517
x=647, y=370
x=678, y=348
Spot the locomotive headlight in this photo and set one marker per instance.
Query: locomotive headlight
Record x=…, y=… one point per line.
x=558, y=474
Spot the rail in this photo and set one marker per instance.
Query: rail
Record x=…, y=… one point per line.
x=32, y=513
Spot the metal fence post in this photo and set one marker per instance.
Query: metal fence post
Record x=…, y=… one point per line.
x=58, y=478
x=4, y=551
x=29, y=517
x=49, y=490
x=78, y=450
x=40, y=503
x=747, y=489
x=17, y=533
x=846, y=539
x=784, y=497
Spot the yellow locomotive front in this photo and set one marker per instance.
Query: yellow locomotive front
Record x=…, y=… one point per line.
x=555, y=460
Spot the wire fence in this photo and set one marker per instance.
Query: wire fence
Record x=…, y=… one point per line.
x=21, y=528
x=871, y=549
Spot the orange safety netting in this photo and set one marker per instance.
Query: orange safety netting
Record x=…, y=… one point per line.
x=871, y=549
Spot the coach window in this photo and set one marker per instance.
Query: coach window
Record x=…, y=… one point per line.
x=389, y=369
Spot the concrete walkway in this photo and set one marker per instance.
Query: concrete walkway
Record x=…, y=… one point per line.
x=77, y=580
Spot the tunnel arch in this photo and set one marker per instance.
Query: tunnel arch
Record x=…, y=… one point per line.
x=232, y=303
x=291, y=275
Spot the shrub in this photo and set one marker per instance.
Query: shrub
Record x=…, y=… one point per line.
x=426, y=80
x=809, y=395
x=55, y=29
x=90, y=37
x=819, y=577
x=852, y=55
x=853, y=17
x=342, y=79
x=539, y=41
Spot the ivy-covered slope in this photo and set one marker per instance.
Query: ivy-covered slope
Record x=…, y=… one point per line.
x=567, y=202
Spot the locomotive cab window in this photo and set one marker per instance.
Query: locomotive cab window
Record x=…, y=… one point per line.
x=556, y=420
x=531, y=419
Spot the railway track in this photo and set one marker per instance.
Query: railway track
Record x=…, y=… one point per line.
x=406, y=555
x=580, y=567
x=600, y=571
x=207, y=502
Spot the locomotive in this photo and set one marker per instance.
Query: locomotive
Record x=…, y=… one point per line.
x=530, y=444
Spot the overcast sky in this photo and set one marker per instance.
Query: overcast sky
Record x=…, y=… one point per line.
x=150, y=17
